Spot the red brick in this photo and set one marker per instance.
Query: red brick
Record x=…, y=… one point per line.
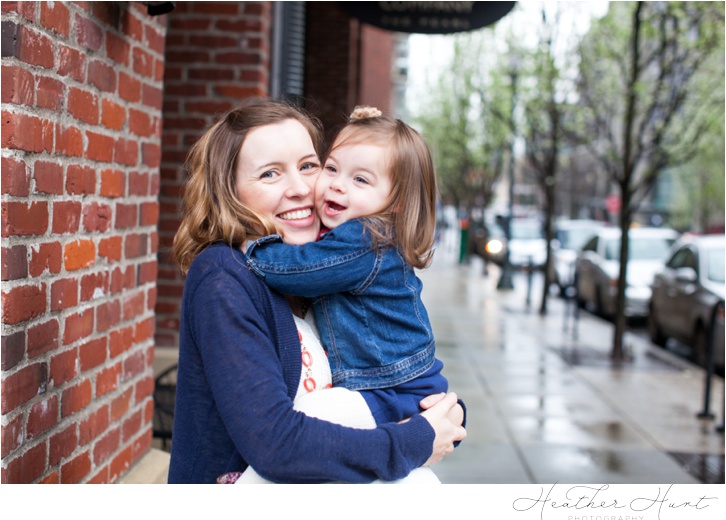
x=63, y=294
x=123, y=279
x=100, y=147
x=101, y=477
x=27, y=467
x=56, y=17
x=48, y=177
x=129, y=88
x=133, y=305
x=113, y=183
x=135, y=245
x=79, y=254
x=121, y=404
x=76, y=398
x=106, y=446
x=50, y=94
x=145, y=386
x=149, y=213
x=113, y=115
x=96, y=217
x=43, y=338
x=50, y=478
x=62, y=444
x=148, y=272
x=142, y=62
x=46, y=257
x=117, y=48
x=93, y=353
x=102, y=75
x=73, y=471
x=131, y=426
x=12, y=436
x=140, y=123
x=28, y=133
x=110, y=248
x=78, y=326
x=68, y=141
x=151, y=154
x=13, y=349
x=107, y=380
x=120, y=341
x=120, y=464
x=126, y=215
x=63, y=367
x=66, y=217
x=126, y=152
x=154, y=184
x=94, y=425
x=14, y=263
x=139, y=183
x=83, y=105
x=94, y=285
x=108, y=315
x=35, y=48
x=144, y=330
x=15, y=180
x=134, y=365
x=88, y=33
x=42, y=416
x=23, y=385
x=81, y=180
x=20, y=219
x=23, y=303
x=71, y=62
x=153, y=97
x=18, y=86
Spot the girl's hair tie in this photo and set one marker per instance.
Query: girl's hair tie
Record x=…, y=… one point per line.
x=364, y=112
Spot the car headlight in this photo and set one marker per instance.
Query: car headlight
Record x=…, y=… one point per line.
x=494, y=246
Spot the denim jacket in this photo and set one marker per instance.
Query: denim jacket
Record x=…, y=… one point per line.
x=367, y=303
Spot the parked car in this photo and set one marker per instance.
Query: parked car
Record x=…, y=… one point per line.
x=598, y=268
x=489, y=242
x=688, y=297
x=527, y=243
x=570, y=236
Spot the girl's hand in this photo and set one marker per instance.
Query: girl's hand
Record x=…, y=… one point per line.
x=447, y=432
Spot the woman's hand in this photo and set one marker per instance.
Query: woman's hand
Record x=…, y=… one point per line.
x=439, y=413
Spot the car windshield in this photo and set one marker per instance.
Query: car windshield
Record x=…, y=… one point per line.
x=715, y=265
x=641, y=248
x=573, y=238
x=526, y=230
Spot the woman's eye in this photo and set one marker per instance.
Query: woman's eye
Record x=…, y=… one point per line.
x=268, y=174
x=310, y=167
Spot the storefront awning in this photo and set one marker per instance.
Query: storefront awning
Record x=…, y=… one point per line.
x=428, y=17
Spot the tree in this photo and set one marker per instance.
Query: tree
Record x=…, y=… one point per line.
x=638, y=103
x=467, y=143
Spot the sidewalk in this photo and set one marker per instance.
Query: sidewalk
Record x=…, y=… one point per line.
x=545, y=406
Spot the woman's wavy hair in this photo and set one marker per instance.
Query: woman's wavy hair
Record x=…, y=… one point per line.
x=211, y=211
x=408, y=220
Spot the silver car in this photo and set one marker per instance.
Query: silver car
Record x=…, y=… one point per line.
x=570, y=236
x=688, y=296
x=598, y=268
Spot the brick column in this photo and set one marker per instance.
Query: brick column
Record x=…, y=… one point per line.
x=81, y=131
x=216, y=54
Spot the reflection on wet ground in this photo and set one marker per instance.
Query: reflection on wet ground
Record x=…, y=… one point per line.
x=546, y=405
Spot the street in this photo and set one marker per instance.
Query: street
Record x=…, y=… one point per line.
x=545, y=402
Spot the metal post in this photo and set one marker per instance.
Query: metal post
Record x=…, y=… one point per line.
x=706, y=413
x=530, y=268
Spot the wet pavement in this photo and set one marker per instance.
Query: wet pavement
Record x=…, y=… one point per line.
x=545, y=402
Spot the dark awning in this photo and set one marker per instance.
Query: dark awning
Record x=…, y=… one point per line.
x=428, y=17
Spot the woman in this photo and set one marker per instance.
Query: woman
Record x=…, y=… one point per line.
x=252, y=174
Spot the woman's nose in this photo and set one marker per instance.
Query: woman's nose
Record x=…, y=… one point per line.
x=299, y=186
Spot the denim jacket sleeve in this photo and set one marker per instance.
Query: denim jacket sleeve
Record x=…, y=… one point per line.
x=343, y=260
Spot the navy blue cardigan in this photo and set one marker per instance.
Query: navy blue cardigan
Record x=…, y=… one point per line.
x=239, y=370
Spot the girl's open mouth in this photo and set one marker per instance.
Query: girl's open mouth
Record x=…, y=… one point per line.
x=332, y=208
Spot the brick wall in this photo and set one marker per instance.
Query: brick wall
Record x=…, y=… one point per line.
x=81, y=130
x=216, y=54
x=376, y=81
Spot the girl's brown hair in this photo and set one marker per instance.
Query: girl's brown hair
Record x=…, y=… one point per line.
x=211, y=211
x=409, y=218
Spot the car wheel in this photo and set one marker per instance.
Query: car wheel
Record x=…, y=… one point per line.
x=700, y=345
x=656, y=335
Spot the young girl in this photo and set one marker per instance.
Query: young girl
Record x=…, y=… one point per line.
x=377, y=196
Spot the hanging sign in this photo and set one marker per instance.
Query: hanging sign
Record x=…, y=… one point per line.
x=428, y=17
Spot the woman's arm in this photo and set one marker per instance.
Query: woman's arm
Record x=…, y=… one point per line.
x=246, y=379
x=342, y=261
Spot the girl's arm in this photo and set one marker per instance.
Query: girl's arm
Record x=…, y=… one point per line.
x=344, y=260
x=246, y=379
